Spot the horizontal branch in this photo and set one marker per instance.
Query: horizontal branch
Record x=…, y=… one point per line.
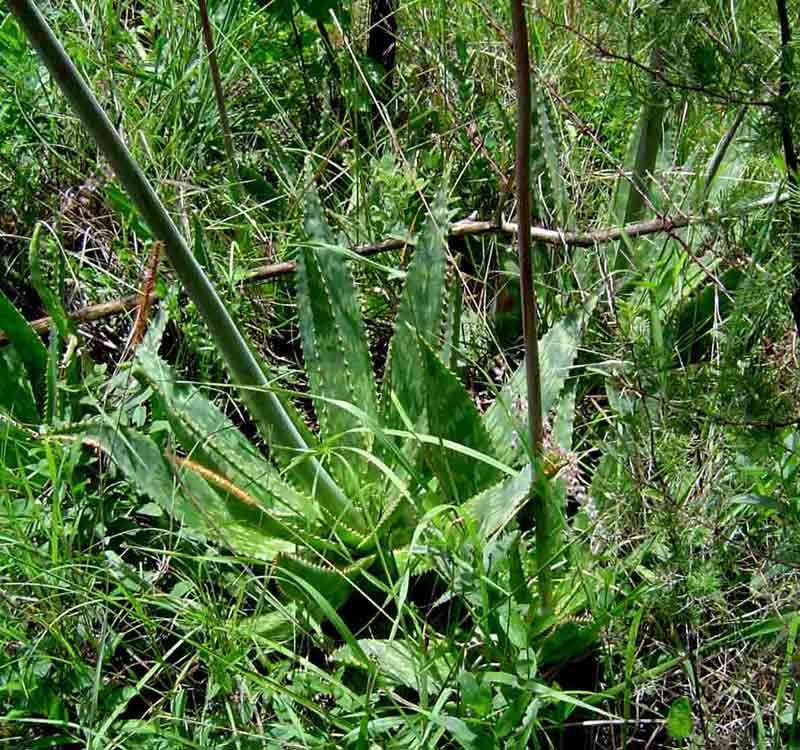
x=463, y=228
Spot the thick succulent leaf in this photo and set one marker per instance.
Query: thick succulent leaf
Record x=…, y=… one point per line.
x=452, y=326
x=496, y=507
x=420, y=315
x=505, y=418
x=564, y=418
x=26, y=342
x=640, y=161
x=211, y=439
x=400, y=662
x=336, y=585
x=453, y=416
x=545, y=152
x=335, y=344
x=395, y=526
x=50, y=298
x=203, y=510
x=629, y=200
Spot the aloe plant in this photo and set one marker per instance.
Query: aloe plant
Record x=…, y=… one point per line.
x=363, y=479
x=421, y=443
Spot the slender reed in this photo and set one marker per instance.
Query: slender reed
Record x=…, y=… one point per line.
x=540, y=499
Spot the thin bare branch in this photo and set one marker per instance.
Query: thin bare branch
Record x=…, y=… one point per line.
x=463, y=228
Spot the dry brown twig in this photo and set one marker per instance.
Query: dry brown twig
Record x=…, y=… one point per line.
x=463, y=228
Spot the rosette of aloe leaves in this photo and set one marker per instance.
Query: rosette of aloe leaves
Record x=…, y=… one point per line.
x=334, y=508
x=396, y=447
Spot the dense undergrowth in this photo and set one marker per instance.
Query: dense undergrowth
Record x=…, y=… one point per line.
x=173, y=575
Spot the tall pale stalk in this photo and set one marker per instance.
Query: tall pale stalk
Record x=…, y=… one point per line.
x=270, y=415
x=540, y=500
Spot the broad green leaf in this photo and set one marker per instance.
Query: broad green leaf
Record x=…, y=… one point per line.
x=420, y=315
x=679, y=719
x=201, y=508
x=505, y=418
x=335, y=349
x=460, y=732
x=453, y=416
x=477, y=697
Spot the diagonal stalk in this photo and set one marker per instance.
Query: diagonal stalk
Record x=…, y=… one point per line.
x=540, y=500
x=270, y=415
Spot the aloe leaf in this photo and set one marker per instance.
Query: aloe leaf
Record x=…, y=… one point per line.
x=420, y=315
x=640, y=161
x=204, y=512
x=453, y=416
x=209, y=437
x=629, y=199
x=25, y=341
x=335, y=348
x=50, y=299
x=554, y=186
x=564, y=418
x=270, y=415
x=505, y=418
x=495, y=508
x=336, y=585
x=452, y=327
